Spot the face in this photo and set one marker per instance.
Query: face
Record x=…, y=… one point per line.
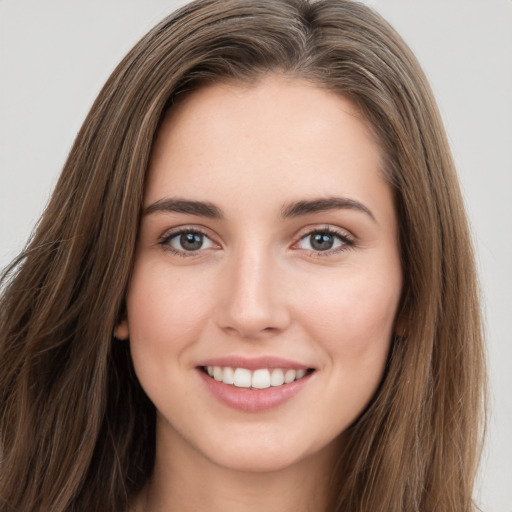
x=267, y=274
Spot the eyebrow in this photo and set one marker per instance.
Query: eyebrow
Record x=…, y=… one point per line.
x=199, y=208
x=299, y=208
x=289, y=210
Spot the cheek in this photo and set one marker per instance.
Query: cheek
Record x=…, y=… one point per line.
x=353, y=317
x=352, y=321
x=166, y=313
x=163, y=305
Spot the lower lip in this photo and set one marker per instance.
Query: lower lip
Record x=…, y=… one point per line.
x=253, y=400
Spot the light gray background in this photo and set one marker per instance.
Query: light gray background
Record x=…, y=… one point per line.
x=56, y=54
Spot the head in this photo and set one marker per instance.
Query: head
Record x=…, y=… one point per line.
x=81, y=259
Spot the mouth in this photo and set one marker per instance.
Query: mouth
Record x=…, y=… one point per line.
x=261, y=378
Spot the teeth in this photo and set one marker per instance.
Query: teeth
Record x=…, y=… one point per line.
x=217, y=373
x=289, y=376
x=258, y=379
x=277, y=378
x=261, y=379
x=228, y=376
x=242, y=378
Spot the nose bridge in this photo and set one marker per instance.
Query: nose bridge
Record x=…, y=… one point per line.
x=253, y=303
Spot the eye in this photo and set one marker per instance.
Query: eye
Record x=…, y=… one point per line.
x=324, y=240
x=187, y=241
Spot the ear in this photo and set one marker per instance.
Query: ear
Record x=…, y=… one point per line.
x=121, y=330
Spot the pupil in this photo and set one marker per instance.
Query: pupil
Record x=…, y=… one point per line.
x=191, y=241
x=322, y=241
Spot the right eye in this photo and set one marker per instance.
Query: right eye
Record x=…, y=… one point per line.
x=186, y=241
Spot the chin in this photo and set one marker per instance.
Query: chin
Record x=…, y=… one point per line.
x=265, y=452
x=255, y=461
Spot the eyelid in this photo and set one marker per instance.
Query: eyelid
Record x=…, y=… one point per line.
x=171, y=233
x=330, y=228
x=348, y=239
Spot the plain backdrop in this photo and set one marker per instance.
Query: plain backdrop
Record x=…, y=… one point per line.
x=56, y=54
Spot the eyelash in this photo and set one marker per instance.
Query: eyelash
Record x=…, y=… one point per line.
x=166, y=239
x=346, y=241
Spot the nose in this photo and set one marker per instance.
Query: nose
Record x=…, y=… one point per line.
x=254, y=300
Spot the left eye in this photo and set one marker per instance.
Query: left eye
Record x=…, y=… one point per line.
x=321, y=241
x=188, y=241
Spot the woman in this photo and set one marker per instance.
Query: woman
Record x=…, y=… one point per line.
x=253, y=285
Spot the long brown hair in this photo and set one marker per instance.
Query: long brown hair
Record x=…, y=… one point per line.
x=77, y=431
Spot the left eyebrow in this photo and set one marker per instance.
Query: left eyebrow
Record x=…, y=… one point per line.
x=298, y=208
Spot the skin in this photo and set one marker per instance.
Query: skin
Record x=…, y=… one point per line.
x=256, y=287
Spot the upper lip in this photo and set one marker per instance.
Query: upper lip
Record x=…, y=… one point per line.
x=254, y=363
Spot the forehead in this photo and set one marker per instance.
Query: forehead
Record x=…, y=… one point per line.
x=278, y=135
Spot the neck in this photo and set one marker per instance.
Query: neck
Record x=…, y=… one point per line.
x=189, y=482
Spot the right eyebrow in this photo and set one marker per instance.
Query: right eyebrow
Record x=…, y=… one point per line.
x=172, y=204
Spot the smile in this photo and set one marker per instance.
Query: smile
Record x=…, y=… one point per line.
x=261, y=378
x=254, y=385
